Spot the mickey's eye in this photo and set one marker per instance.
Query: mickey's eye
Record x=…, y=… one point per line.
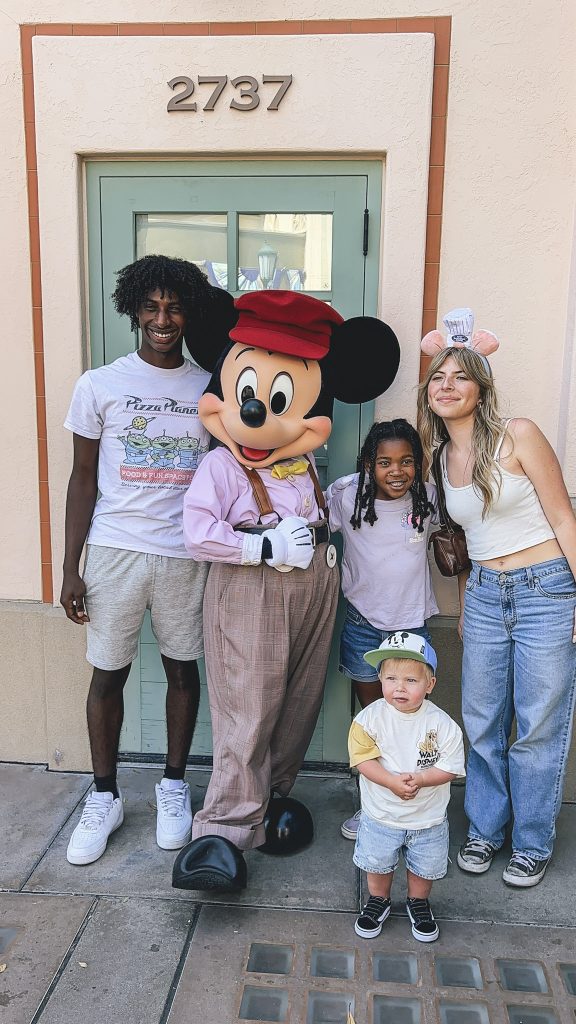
x=281, y=394
x=246, y=385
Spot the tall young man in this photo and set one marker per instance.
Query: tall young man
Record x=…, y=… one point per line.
x=137, y=442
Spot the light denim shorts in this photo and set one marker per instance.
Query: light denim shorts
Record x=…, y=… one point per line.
x=425, y=849
x=359, y=636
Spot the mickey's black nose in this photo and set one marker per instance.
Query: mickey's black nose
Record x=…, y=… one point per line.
x=253, y=412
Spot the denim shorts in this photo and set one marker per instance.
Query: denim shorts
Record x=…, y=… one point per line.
x=378, y=848
x=359, y=636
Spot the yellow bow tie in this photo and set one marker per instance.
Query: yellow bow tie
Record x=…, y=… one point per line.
x=283, y=469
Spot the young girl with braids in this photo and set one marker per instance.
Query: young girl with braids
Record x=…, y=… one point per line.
x=384, y=513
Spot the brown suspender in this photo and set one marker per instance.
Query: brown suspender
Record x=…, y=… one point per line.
x=262, y=498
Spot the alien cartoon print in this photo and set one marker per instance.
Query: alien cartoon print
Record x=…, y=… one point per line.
x=256, y=511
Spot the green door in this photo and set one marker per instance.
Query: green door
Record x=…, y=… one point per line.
x=249, y=225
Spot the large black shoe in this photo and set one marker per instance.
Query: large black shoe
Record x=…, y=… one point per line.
x=210, y=863
x=289, y=826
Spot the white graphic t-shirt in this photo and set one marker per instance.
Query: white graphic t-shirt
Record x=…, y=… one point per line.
x=401, y=742
x=151, y=441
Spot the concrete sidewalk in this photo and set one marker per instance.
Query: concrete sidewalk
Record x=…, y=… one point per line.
x=113, y=941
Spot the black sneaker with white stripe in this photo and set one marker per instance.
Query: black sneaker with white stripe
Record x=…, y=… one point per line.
x=522, y=870
x=369, y=922
x=424, y=927
x=475, y=856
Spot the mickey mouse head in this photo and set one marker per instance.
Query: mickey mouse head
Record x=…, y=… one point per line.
x=288, y=357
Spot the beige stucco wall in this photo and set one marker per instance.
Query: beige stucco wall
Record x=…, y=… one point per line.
x=507, y=246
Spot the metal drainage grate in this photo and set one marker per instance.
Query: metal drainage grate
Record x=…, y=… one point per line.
x=568, y=975
x=332, y=963
x=458, y=972
x=326, y=1008
x=531, y=1015
x=390, y=1010
x=304, y=980
x=463, y=1013
x=264, y=1004
x=399, y=969
x=522, y=976
x=267, y=958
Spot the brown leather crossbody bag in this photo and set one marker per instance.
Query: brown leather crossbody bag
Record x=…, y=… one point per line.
x=449, y=542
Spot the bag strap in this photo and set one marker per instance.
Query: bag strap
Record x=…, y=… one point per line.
x=261, y=496
x=445, y=520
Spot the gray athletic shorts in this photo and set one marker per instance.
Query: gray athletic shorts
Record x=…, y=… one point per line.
x=121, y=585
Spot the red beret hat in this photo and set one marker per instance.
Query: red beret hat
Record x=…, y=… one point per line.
x=285, y=321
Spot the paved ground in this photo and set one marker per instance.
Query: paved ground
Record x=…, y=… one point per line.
x=113, y=942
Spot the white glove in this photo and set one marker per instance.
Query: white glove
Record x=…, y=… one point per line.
x=291, y=543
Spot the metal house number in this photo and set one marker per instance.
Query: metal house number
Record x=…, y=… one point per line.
x=247, y=96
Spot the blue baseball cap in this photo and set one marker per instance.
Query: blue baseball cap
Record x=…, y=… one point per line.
x=403, y=644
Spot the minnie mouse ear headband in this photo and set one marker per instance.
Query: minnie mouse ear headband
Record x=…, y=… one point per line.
x=359, y=357
x=459, y=324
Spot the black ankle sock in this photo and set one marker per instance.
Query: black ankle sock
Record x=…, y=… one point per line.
x=106, y=784
x=175, y=773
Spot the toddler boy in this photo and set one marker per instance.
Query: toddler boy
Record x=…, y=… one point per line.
x=407, y=751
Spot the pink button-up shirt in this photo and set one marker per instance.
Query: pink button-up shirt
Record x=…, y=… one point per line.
x=220, y=498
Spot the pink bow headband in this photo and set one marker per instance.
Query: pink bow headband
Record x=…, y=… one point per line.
x=459, y=324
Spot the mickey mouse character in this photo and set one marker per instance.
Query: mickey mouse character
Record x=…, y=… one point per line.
x=255, y=506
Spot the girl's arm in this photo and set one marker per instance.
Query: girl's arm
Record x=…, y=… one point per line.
x=540, y=464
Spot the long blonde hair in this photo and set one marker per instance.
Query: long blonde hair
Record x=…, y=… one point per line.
x=488, y=423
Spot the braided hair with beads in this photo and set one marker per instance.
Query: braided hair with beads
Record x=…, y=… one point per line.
x=168, y=275
x=390, y=430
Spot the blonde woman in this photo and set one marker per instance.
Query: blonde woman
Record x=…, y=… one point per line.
x=504, y=485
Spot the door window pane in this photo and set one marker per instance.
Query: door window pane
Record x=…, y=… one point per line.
x=198, y=237
x=285, y=250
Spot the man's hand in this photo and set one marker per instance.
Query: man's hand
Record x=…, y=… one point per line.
x=405, y=786
x=72, y=598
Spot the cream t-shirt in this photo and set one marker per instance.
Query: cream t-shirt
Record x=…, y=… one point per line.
x=401, y=742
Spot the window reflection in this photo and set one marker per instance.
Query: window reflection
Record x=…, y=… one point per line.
x=285, y=250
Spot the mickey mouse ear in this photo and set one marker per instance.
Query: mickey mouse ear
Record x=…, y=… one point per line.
x=363, y=359
x=210, y=333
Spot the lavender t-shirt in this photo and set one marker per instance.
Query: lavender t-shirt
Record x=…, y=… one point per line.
x=385, y=570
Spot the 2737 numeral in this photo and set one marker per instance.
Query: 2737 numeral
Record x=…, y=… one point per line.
x=248, y=97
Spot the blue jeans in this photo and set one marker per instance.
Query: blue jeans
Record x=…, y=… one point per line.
x=359, y=636
x=519, y=660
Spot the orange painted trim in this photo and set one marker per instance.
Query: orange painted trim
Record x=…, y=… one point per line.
x=440, y=27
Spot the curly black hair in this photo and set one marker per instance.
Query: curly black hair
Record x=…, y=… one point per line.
x=390, y=430
x=167, y=274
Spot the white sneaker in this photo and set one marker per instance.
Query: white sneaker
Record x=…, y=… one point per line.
x=174, y=817
x=102, y=814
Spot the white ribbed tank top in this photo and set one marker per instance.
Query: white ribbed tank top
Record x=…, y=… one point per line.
x=515, y=521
